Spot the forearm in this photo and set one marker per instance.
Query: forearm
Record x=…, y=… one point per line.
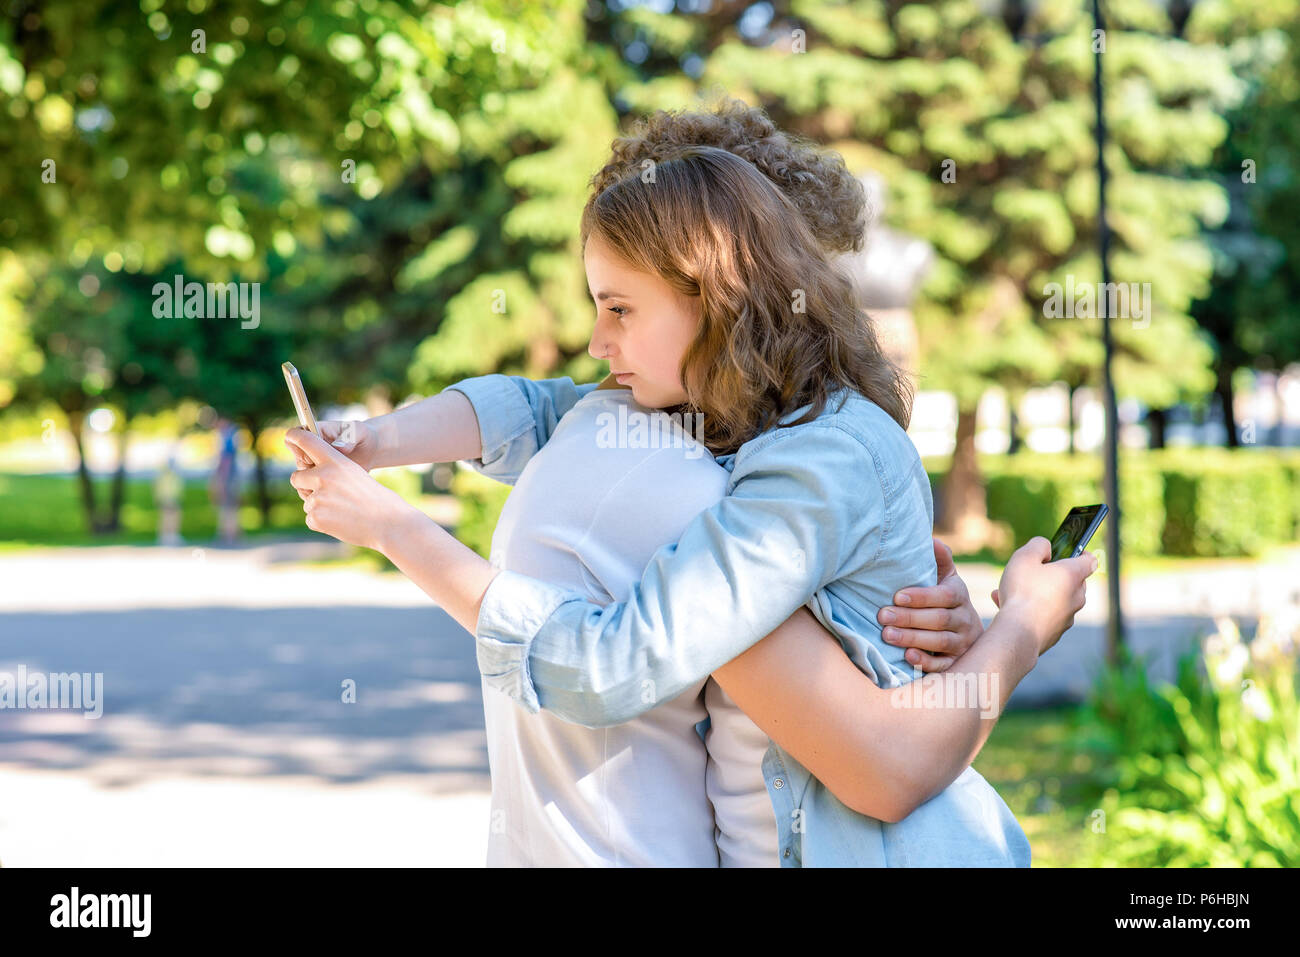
x=441, y=428
x=934, y=735
x=880, y=751
x=452, y=574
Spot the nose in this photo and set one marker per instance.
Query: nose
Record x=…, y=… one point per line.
x=602, y=342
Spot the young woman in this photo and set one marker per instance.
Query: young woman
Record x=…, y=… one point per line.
x=698, y=272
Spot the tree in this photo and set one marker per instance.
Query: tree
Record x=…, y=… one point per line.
x=1251, y=311
x=982, y=128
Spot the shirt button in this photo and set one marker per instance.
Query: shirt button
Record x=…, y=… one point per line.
x=787, y=852
x=778, y=784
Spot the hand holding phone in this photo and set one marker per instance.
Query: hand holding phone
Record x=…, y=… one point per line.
x=1080, y=524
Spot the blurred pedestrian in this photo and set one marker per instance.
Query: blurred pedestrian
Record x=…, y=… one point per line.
x=224, y=486
x=168, y=487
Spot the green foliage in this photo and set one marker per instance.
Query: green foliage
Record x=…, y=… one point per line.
x=1289, y=459
x=1225, y=505
x=1205, y=772
x=481, y=500
x=1045, y=781
x=46, y=510
x=1253, y=309
x=405, y=482
x=1033, y=493
x=1005, y=109
x=1206, y=503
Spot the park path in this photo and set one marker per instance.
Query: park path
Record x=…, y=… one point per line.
x=224, y=739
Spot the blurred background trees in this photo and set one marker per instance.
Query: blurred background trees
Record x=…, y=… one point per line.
x=405, y=180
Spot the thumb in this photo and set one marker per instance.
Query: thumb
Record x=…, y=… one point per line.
x=313, y=447
x=341, y=435
x=1038, y=547
x=1082, y=567
x=943, y=559
x=997, y=598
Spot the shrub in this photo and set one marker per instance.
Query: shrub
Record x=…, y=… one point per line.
x=1191, y=502
x=1205, y=772
x=1033, y=494
x=1221, y=504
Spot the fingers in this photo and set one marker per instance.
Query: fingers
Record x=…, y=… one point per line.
x=949, y=593
x=922, y=619
x=341, y=435
x=305, y=481
x=930, y=663
x=936, y=642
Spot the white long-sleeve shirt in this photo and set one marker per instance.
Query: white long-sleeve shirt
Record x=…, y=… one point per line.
x=588, y=512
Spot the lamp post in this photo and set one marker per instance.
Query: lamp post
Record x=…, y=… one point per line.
x=1115, y=616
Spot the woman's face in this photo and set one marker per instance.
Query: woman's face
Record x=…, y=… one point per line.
x=643, y=326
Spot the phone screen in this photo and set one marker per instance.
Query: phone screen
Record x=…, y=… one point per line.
x=1078, y=528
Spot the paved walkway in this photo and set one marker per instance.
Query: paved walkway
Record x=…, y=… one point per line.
x=225, y=739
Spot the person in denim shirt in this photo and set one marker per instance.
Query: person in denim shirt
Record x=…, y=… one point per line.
x=548, y=647
x=827, y=507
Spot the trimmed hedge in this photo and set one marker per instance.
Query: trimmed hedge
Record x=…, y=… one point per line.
x=1186, y=502
x=1290, y=461
x=1221, y=504
x=1033, y=493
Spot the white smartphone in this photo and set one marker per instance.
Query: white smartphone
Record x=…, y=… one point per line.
x=299, y=398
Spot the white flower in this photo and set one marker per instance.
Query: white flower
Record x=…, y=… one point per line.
x=1226, y=669
x=1256, y=703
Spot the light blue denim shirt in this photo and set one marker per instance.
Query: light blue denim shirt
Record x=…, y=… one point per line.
x=835, y=514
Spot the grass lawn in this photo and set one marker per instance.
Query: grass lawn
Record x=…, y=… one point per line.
x=1045, y=783
x=47, y=510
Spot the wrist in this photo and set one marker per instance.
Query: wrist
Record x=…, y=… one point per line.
x=386, y=444
x=400, y=529
x=1017, y=621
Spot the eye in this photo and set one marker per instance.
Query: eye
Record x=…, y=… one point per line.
x=618, y=310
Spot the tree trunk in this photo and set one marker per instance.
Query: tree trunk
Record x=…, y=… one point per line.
x=1279, y=399
x=113, y=521
x=1013, y=431
x=1070, y=424
x=1224, y=391
x=76, y=420
x=263, y=494
x=963, y=515
x=1156, y=421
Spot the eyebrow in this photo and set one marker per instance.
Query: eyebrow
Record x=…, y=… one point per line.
x=606, y=294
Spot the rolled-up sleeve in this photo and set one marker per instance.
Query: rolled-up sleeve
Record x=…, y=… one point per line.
x=798, y=502
x=516, y=416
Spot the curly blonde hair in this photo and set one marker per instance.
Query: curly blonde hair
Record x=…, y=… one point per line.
x=727, y=208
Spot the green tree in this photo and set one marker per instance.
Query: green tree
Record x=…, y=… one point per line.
x=982, y=127
x=1252, y=311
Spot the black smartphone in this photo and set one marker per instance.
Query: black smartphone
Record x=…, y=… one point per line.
x=1078, y=528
